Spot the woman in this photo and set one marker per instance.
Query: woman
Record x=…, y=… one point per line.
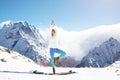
x=53, y=44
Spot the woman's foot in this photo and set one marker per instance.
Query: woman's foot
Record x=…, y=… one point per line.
x=53, y=70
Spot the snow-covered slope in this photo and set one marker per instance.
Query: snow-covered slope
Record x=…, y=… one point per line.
x=10, y=60
x=104, y=55
x=25, y=39
x=14, y=66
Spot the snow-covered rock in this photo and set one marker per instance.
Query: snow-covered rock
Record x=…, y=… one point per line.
x=104, y=55
x=25, y=39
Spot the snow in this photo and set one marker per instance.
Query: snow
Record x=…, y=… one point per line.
x=82, y=74
x=18, y=67
x=5, y=23
x=13, y=60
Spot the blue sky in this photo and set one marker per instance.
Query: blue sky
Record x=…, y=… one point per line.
x=69, y=14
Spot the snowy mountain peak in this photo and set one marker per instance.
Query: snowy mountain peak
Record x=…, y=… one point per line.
x=10, y=22
x=6, y=23
x=112, y=40
x=25, y=39
x=104, y=55
x=14, y=24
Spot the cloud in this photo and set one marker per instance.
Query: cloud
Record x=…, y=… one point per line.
x=78, y=44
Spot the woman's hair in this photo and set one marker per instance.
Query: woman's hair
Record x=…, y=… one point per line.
x=53, y=32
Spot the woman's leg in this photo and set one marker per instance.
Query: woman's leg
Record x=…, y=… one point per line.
x=52, y=57
x=52, y=51
x=61, y=52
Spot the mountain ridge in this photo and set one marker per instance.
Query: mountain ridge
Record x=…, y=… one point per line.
x=25, y=39
x=104, y=55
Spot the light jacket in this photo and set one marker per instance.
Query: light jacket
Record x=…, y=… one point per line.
x=53, y=40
